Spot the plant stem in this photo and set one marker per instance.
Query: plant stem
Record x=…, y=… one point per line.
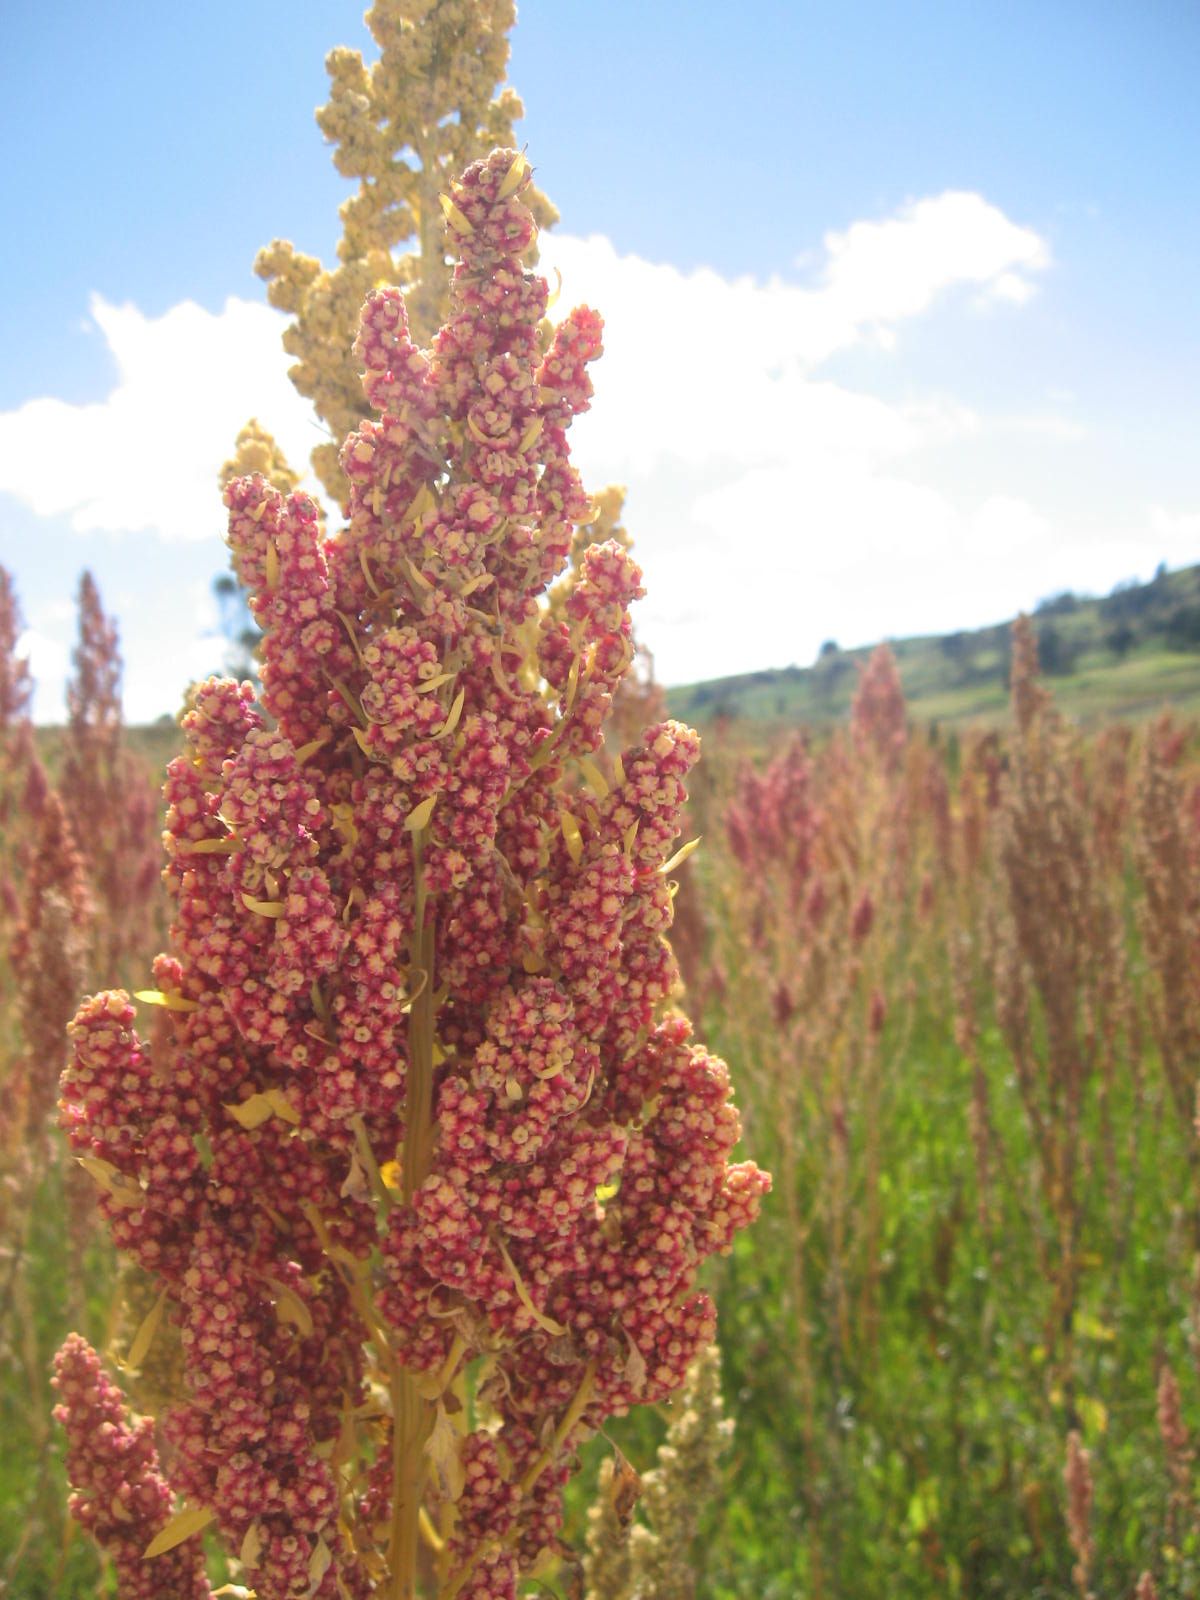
x=412, y=1416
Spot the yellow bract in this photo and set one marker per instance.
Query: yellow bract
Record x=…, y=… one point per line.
x=182, y=1526
x=165, y=997
x=289, y=1308
x=264, y=908
x=419, y=816
x=513, y=181
x=680, y=855
x=260, y=1108
x=523, y=1295
x=572, y=836
x=144, y=1338
x=594, y=777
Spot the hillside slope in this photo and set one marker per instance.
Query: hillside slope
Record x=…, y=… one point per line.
x=1127, y=654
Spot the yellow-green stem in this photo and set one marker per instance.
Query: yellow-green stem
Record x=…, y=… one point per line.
x=412, y=1416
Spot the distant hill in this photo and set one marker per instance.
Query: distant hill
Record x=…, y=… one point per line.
x=1125, y=655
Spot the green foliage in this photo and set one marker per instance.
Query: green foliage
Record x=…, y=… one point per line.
x=42, y=1553
x=942, y=1447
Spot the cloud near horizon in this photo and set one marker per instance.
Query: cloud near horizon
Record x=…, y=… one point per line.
x=147, y=456
x=745, y=465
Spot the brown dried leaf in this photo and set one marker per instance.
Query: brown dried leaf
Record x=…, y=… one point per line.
x=444, y=1448
x=624, y=1491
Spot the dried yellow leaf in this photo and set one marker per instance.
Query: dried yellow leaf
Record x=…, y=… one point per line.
x=211, y=847
x=515, y=177
x=165, y=997
x=310, y=749
x=530, y=437
x=572, y=683
x=272, y=564
x=635, y=1365
x=455, y=713
x=251, y=1113
x=594, y=777
x=144, y=1337
x=419, y=816
x=318, y=1564
x=366, y=570
x=454, y=216
x=571, y=836
x=260, y=1108
x=183, y=1525
x=523, y=1295
x=289, y=1308
x=431, y=684
x=113, y=1182
x=283, y=1107
x=444, y=1447
x=251, y=1546
x=680, y=855
x=264, y=908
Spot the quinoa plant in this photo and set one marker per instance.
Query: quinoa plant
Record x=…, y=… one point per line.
x=1167, y=852
x=403, y=127
x=109, y=797
x=19, y=764
x=422, y=1159
x=654, y=1557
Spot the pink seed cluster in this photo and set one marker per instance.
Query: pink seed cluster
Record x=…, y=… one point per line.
x=420, y=1099
x=120, y=1496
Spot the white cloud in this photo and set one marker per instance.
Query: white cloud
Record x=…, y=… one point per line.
x=753, y=477
x=772, y=506
x=166, y=649
x=881, y=272
x=1176, y=535
x=700, y=367
x=147, y=456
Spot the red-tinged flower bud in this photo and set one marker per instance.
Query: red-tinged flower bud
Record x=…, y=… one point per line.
x=862, y=917
x=877, y=1012
x=119, y=1495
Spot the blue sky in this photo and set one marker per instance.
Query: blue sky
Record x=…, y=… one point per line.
x=902, y=323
